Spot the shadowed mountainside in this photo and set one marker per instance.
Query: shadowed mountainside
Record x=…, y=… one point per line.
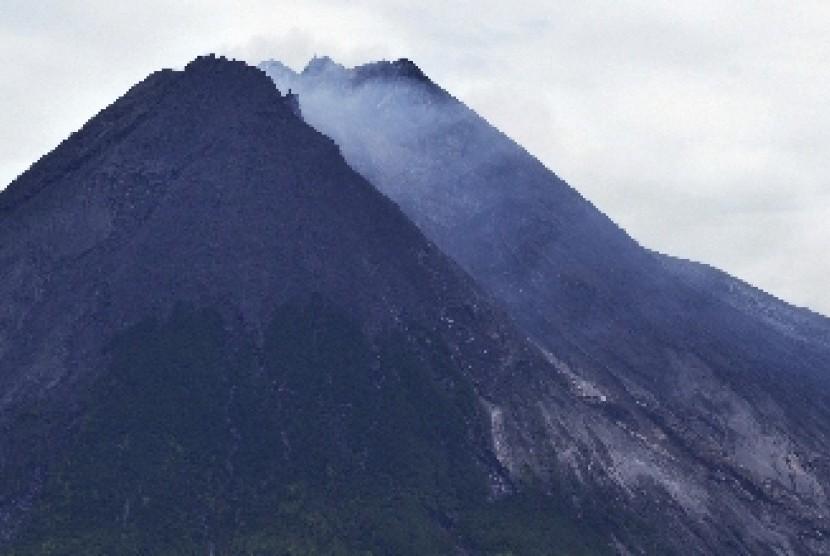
x=216, y=337
x=723, y=386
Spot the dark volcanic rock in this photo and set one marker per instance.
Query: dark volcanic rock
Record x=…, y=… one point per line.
x=723, y=389
x=216, y=337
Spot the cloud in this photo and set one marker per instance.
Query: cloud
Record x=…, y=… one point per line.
x=701, y=128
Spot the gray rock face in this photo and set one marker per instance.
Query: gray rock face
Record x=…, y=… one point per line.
x=709, y=399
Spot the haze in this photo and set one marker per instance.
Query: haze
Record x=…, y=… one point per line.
x=701, y=128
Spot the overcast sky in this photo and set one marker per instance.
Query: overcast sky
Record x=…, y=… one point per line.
x=702, y=127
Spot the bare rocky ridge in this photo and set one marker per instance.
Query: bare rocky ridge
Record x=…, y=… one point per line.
x=716, y=393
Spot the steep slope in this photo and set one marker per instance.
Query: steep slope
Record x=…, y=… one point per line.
x=726, y=388
x=217, y=338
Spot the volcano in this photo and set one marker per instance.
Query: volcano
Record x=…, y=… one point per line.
x=218, y=338
x=344, y=315
x=732, y=382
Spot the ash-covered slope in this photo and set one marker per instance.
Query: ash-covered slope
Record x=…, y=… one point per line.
x=729, y=381
x=217, y=338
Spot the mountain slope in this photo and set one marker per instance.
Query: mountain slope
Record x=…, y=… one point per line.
x=726, y=388
x=218, y=338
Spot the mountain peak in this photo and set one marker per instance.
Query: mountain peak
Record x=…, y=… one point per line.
x=212, y=93
x=219, y=73
x=401, y=68
x=322, y=64
x=211, y=60
x=277, y=65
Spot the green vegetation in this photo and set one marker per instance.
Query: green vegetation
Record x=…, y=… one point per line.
x=320, y=442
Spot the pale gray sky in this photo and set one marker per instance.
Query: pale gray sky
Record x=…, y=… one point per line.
x=701, y=127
